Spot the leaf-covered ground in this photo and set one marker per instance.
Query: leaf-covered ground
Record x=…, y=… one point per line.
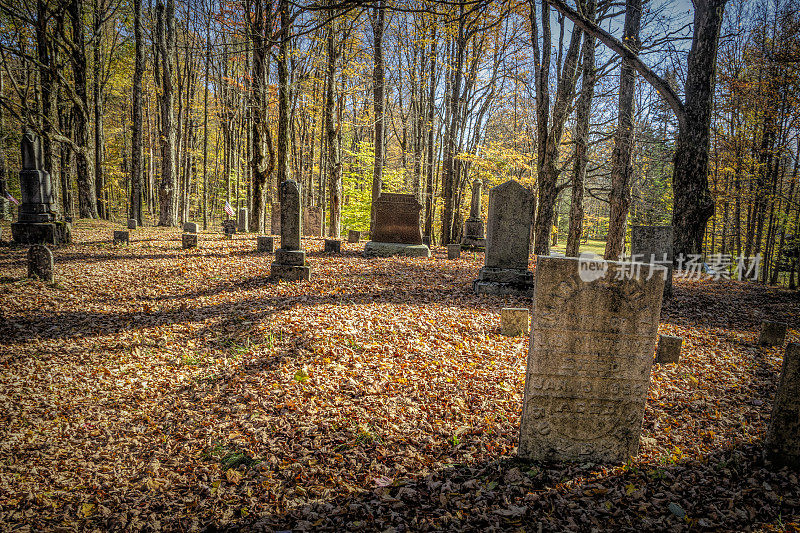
x=153, y=388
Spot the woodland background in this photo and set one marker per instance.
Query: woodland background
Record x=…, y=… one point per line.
x=164, y=110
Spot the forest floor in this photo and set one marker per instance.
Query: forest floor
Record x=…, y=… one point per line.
x=152, y=388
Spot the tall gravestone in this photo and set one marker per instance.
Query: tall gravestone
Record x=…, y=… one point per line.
x=243, y=225
x=290, y=259
x=37, y=223
x=594, y=326
x=653, y=244
x=275, y=218
x=397, y=230
x=783, y=435
x=508, y=229
x=473, y=236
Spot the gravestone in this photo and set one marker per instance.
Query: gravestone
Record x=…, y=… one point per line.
x=653, y=244
x=132, y=224
x=229, y=228
x=333, y=246
x=772, y=333
x=426, y=240
x=782, y=445
x=121, y=237
x=190, y=227
x=37, y=222
x=243, y=225
x=353, y=236
x=508, y=229
x=40, y=263
x=312, y=221
x=275, y=218
x=265, y=243
x=453, y=251
x=473, y=235
x=397, y=230
x=290, y=259
x=514, y=321
x=189, y=240
x=669, y=349
x=555, y=238
x=594, y=327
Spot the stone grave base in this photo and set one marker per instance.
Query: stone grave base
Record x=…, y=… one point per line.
x=290, y=272
x=387, y=249
x=55, y=233
x=504, y=281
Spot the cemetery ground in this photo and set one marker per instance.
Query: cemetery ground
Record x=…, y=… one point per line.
x=155, y=388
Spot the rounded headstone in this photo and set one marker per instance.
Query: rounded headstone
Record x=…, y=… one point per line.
x=132, y=224
x=772, y=333
x=453, y=251
x=40, y=263
x=669, y=349
x=190, y=227
x=353, y=236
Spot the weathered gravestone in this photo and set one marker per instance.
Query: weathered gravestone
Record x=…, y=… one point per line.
x=514, y=321
x=508, y=229
x=122, y=237
x=353, y=236
x=333, y=246
x=397, y=230
x=189, y=240
x=783, y=435
x=229, y=228
x=40, y=263
x=591, y=348
x=265, y=243
x=275, y=218
x=473, y=236
x=132, y=224
x=290, y=259
x=453, y=251
x=243, y=225
x=37, y=223
x=772, y=333
x=669, y=349
x=190, y=227
x=653, y=244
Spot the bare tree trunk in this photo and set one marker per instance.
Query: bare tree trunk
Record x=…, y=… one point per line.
x=168, y=215
x=583, y=113
x=378, y=81
x=334, y=163
x=260, y=169
x=135, y=203
x=622, y=156
x=283, y=96
x=429, y=173
x=99, y=150
x=87, y=197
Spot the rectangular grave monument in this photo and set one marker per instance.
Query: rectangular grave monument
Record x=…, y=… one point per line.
x=37, y=222
x=290, y=259
x=593, y=332
x=397, y=230
x=653, y=244
x=508, y=230
x=275, y=218
x=312, y=221
x=243, y=223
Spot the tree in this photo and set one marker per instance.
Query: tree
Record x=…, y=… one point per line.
x=135, y=203
x=378, y=81
x=165, y=17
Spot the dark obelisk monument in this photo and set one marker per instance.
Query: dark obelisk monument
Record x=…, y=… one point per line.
x=37, y=223
x=473, y=237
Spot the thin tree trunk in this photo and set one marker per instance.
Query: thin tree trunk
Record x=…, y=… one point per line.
x=168, y=215
x=135, y=203
x=378, y=81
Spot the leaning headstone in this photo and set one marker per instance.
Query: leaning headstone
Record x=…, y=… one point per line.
x=772, y=333
x=121, y=237
x=189, y=240
x=514, y=321
x=37, y=222
x=132, y=223
x=473, y=236
x=190, y=227
x=243, y=221
x=40, y=263
x=505, y=270
x=333, y=246
x=353, y=236
x=290, y=259
x=783, y=435
x=453, y=251
x=653, y=244
x=669, y=349
x=397, y=230
x=229, y=228
x=265, y=243
x=593, y=331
